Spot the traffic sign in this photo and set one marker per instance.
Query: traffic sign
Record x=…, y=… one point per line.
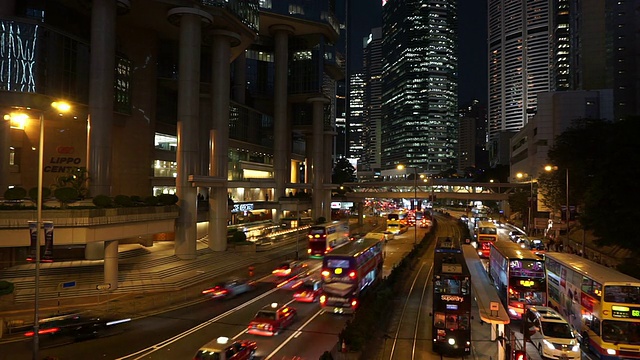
x=106, y=286
x=494, y=306
x=67, y=285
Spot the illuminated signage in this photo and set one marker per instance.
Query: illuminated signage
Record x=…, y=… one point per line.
x=452, y=306
x=625, y=312
x=335, y=204
x=451, y=298
x=242, y=207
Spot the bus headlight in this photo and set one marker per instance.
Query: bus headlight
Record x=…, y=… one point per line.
x=549, y=345
x=451, y=341
x=611, y=351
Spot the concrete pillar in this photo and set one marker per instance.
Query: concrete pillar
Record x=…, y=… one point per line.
x=101, y=78
x=219, y=146
x=5, y=143
x=94, y=251
x=318, y=167
x=281, y=153
x=327, y=147
x=308, y=174
x=360, y=213
x=111, y=263
x=240, y=78
x=189, y=20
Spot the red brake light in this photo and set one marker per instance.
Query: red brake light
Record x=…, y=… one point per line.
x=325, y=273
x=352, y=275
x=323, y=299
x=354, y=303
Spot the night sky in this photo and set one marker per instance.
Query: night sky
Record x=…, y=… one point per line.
x=472, y=45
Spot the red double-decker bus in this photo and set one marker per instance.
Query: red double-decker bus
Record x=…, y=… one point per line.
x=350, y=270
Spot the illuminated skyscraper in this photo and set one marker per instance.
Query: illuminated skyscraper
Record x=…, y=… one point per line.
x=419, y=110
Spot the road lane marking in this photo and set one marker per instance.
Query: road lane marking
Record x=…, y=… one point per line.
x=294, y=335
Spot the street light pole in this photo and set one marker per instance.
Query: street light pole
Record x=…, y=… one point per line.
x=415, y=205
x=36, y=320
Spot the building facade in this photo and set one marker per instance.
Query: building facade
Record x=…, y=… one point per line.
x=228, y=99
x=419, y=92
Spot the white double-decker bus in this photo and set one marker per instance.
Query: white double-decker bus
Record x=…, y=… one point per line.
x=323, y=238
x=601, y=303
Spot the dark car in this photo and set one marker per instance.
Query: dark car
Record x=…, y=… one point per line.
x=229, y=288
x=72, y=327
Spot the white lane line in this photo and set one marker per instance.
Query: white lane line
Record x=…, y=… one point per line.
x=297, y=333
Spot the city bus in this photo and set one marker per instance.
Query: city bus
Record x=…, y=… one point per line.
x=323, y=238
x=602, y=304
x=350, y=270
x=451, y=300
x=486, y=233
x=519, y=275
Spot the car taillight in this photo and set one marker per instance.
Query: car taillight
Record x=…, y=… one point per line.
x=352, y=275
x=308, y=251
x=354, y=303
x=323, y=299
x=43, y=331
x=325, y=273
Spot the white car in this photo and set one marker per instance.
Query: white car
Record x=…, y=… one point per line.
x=551, y=334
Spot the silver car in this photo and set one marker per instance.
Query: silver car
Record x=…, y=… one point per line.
x=229, y=288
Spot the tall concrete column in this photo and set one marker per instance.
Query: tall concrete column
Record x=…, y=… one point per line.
x=101, y=78
x=308, y=171
x=111, y=263
x=281, y=153
x=5, y=142
x=240, y=78
x=219, y=146
x=318, y=166
x=327, y=148
x=189, y=20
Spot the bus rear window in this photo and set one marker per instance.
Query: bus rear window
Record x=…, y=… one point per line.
x=337, y=263
x=313, y=231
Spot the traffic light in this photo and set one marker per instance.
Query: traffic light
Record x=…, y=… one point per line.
x=519, y=355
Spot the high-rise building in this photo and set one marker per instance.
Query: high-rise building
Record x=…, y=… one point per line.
x=355, y=137
x=472, y=138
x=520, y=65
x=372, y=67
x=419, y=110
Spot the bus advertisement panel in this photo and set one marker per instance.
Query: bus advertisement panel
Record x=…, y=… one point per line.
x=601, y=303
x=323, y=238
x=519, y=275
x=451, y=300
x=486, y=233
x=349, y=270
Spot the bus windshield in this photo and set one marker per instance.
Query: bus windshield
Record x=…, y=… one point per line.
x=623, y=332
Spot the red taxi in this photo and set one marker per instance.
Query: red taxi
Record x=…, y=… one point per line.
x=224, y=349
x=271, y=319
x=309, y=291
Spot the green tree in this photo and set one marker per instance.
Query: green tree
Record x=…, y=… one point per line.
x=601, y=159
x=15, y=193
x=343, y=172
x=65, y=195
x=76, y=179
x=519, y=202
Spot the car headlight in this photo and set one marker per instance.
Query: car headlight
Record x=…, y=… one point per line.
x=549, y=345
x=575, y=348
x=611, y=351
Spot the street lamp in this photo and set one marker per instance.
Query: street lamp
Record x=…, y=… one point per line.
x=60, y=107
x=415, y=198
x=568, y=211
x=520, y=176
